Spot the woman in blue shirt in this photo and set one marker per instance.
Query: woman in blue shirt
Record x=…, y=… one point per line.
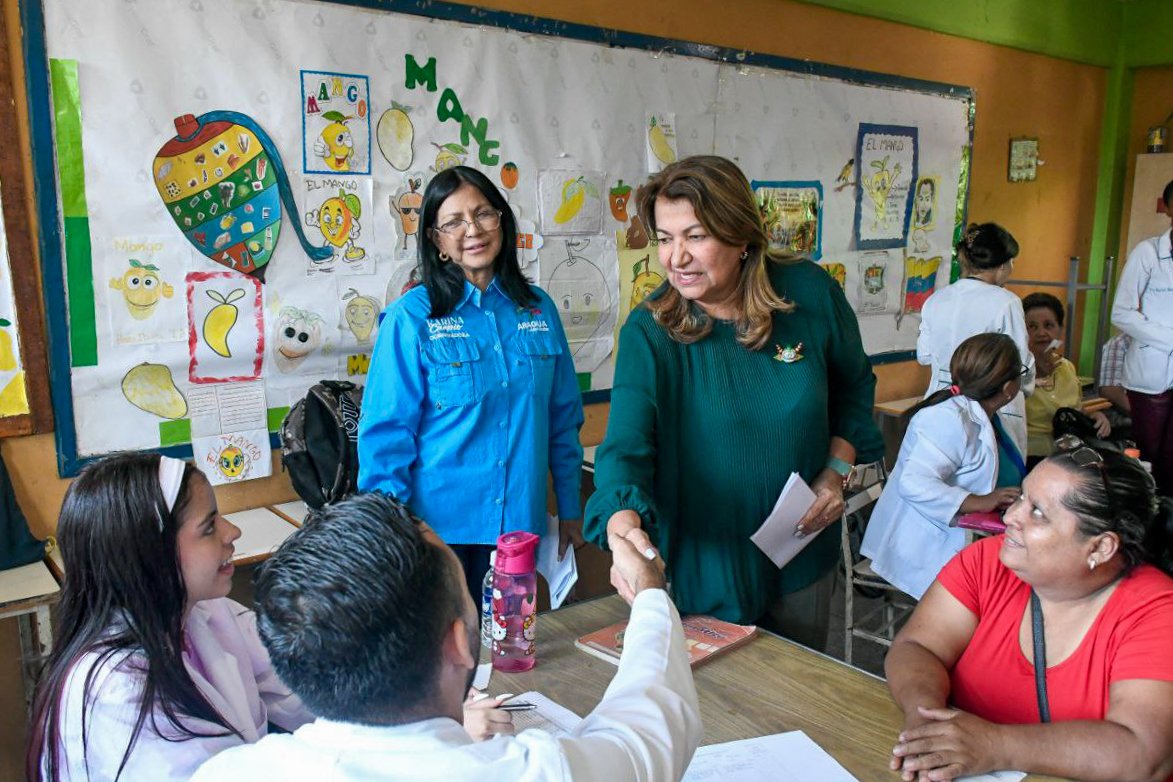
x=472, y=398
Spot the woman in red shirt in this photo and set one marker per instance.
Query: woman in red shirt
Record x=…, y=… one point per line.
x=1088, y=538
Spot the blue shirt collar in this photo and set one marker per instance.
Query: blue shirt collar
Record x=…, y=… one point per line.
x=474, y=293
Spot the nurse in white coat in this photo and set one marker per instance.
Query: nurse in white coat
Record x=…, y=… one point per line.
x=1143, y=310
x=975, y=304
x=955, y=459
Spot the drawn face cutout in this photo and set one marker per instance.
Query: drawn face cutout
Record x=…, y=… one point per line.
x=361, y=312
x=334, y=221
x=141, y=290
x=579, y=290
x=231, y=462
x=339, y=146
x=923, y=211
x=408, y=207
x=298, y=333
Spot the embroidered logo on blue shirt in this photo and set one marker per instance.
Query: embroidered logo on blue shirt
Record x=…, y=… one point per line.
x=451, y=327
x=533, y=325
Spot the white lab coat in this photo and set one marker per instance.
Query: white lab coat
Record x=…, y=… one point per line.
x=1143, y=310
x=226, y=660
x=959, y=311
x=647, y=727
x=949, y=452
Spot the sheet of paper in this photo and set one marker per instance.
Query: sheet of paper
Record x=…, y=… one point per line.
x=227, y=407
x=233, y=457
x=484, y=672
x=554, y=718
x=995, y=776
x=561, y=576
x=781, y=756
x=776, y=535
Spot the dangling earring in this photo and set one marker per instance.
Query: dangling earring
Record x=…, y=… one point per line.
x=744, y=254
x=444, y=257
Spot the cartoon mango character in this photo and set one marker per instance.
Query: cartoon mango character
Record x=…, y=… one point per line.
x=141, y=289
x=617, y=199
x=231, y=462
x=297, y=334
x=448, y=155
x=337, y=219
x=644, y=281
x=335, y=145
x=362, y=313
x=509, y=175
x=407, y=207
x=574, y=194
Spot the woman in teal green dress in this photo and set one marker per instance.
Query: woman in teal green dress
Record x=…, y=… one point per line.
x=744, y=367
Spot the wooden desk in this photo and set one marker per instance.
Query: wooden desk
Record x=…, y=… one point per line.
x=889, y=418
x=769, y=686
x=26, y=593
x=293, y=512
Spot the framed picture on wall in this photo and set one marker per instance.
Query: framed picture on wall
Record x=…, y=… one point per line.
x=1024, y=160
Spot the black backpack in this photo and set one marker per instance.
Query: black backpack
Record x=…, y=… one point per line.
x=319, y=442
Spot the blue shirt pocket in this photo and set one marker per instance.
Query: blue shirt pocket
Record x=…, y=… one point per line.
x=452, y=375
x=541, y=350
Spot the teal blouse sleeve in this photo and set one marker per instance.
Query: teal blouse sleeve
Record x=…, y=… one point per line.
x=851, y=382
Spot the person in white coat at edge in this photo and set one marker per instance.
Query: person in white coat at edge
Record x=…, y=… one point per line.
x=956, y=458
x=975, y=304
x=367, y=618
x=1143, y=309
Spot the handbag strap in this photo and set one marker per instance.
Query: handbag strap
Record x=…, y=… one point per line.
x=1040, y=654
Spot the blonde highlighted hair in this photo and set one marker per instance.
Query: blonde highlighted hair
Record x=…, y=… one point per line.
x=724, y=203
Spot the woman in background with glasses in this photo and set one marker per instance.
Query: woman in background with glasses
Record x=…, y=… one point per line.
x=472, y=398
x=955, y=458
x=1088, y=539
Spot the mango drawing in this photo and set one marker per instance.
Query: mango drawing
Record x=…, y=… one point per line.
x=141, y=289
x=337, y=219
x=658, y=140
x=878, y=185
x=220, y=320
x=395, y=134
x=335, y=145
x=407, y=208
x=617, y=199
x=509, y=175
x=7, y=350
x=448, y=155
x=231, y=462
x=574, y=193
x=362, y=313
x=14, y=398
x=644, y=281
x=150, y=387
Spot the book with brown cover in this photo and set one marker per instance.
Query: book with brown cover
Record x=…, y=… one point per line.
x=705, y=637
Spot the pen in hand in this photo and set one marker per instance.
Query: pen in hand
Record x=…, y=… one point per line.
x=518, y=706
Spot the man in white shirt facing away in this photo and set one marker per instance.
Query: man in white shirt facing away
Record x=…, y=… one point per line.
x=367, y=619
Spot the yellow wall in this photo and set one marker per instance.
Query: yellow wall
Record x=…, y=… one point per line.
x=1017, y=94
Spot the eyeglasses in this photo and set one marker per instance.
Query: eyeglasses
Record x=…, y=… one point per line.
x=485, y=220
x=1085, y=457
x=409, y=210
x=1022, y=372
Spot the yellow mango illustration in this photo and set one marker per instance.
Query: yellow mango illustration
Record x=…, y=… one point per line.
x=150, y=387
x=7, y=350
x=220, y=320
x=659, y=143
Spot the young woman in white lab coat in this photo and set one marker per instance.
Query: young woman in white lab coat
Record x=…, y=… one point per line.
x=956, y=458
x=975, y=304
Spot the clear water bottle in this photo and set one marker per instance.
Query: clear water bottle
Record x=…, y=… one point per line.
x=487, y=603
x=514, y=622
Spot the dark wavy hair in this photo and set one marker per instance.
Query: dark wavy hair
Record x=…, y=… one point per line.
x=353, y=609
x=980, y=366
x=987, y=246
x=1039, y=300
x=443, y=280
x=123, y=593
x=1132, y=510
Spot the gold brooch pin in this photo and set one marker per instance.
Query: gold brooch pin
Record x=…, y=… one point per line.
x=788, y=355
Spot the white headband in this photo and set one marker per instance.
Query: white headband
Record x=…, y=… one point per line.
x=170, y=480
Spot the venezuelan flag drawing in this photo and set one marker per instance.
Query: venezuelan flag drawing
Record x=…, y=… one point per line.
x=223, y=183
x=921, y=280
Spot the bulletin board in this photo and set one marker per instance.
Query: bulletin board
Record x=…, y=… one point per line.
x=239, y=183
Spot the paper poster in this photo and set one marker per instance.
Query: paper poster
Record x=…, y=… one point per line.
x=838, y=272
x=920, y=280
x=336, y=123
x=304, y=333
x=222, y=408
x=880, y=278
x=144, y=286
x=235, y=457
x=405, y=207
x=640, y=273
x=792, y=213
x=570, y=202
x=359, y=307
x=333, y=212
x=886, y=159
x=661, y=141
x=225, y=325
x=13, y=390
x=580, y=281
x=924, y=203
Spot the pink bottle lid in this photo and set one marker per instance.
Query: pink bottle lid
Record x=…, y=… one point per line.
x=517, y=552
